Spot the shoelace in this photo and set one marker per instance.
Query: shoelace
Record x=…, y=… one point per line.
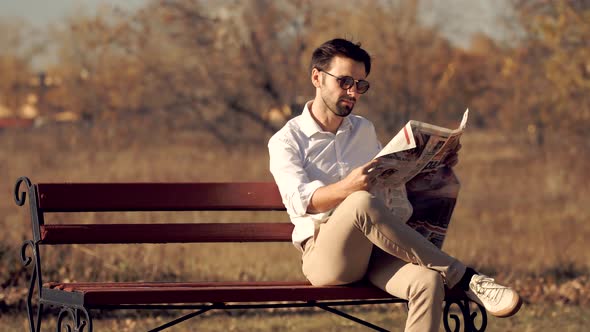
x=488, y=288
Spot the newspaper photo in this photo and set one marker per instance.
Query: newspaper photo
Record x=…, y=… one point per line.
x=413, y=180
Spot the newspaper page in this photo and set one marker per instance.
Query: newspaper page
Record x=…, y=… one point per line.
x=413, y=181
x=433, y=196
x=418, y=147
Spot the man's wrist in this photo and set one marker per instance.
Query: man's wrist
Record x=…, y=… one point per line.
x=344, y=189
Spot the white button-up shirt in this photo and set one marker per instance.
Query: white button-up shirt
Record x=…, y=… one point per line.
x=304, y=158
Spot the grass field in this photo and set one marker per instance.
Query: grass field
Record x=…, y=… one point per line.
x=522, y=216
x=532, y=318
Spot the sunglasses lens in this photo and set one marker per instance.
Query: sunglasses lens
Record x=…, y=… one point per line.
x=346, y=82
x=362, y=86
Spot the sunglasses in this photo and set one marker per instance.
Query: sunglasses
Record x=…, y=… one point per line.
x=347, y=82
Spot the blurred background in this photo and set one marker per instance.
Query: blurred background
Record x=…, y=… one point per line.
x=186, y=90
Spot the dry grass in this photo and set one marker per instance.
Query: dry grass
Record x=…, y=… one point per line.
x=522, y=211
x=532, y=318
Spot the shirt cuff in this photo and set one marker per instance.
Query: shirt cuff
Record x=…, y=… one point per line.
x=306, y=191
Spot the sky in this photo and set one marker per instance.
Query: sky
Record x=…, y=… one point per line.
x=466, y=16
x=458, y=20
x=42, y=12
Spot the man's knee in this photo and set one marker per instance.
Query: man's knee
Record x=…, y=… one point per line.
x=363, y=204
x=428, y=283
x=335, y=275
x=363, y=200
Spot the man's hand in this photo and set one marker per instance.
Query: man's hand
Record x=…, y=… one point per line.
x=361, y=178
x=453, y=157
x=328, y=197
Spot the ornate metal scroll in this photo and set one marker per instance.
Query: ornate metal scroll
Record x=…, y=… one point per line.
x=33, y=259
x=468, y=317
x=20, y=199
x=35, y=280
x=74, y=315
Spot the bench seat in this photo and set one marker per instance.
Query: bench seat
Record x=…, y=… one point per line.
x=95, y=294
x=105, y=293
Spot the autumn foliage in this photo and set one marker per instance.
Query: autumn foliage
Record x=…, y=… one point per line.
x=223, y=66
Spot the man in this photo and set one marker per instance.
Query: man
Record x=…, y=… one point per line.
x=321, y=161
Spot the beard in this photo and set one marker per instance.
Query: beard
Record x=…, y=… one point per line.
x=341, y=108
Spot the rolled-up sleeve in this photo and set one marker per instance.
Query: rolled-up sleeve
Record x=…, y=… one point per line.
x=286, y=166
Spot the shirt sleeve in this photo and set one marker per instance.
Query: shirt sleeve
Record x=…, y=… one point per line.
x=373, y=137
x=286, y=166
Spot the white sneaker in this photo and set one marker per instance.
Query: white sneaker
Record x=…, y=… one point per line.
x=500, y=301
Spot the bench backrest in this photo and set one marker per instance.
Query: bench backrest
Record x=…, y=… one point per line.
x=111, y=197
x=87, y=197
x=432, y=210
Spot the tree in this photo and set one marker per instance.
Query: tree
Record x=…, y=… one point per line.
x=219, y=63
x=555, y=56
x=16, y=56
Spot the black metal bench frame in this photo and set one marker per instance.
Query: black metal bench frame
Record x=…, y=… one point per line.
x=75, y=300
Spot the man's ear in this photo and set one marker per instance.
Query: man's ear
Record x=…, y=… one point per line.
x=315, y=77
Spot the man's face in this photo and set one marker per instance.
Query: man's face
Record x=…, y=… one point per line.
x=337, y=100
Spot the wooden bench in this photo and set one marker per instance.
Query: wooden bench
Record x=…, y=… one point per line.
x=76, y=300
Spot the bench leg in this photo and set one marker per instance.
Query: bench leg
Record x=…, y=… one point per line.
x=352, y=318
x=181, y=319
x=35, y=281
x=468, y=317
x=79, y=316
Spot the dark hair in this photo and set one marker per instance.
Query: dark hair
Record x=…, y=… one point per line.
x=324, y=54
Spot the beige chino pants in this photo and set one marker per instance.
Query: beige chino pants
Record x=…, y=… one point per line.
x=362, y=239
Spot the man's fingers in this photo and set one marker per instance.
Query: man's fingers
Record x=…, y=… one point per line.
x=453, y=157
x=370, y=165
x=452, y=161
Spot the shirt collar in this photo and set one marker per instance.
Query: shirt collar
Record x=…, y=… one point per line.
x=309, y=126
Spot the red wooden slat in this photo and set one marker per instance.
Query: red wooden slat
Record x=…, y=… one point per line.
x=113, y=293
x=162, y=284
x=165, y=233
x=218, y=292
x=78, y=197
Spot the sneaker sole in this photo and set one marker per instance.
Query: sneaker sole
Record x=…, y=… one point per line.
x=510, y=311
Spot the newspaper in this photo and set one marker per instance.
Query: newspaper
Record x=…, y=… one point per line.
x=414, y=181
